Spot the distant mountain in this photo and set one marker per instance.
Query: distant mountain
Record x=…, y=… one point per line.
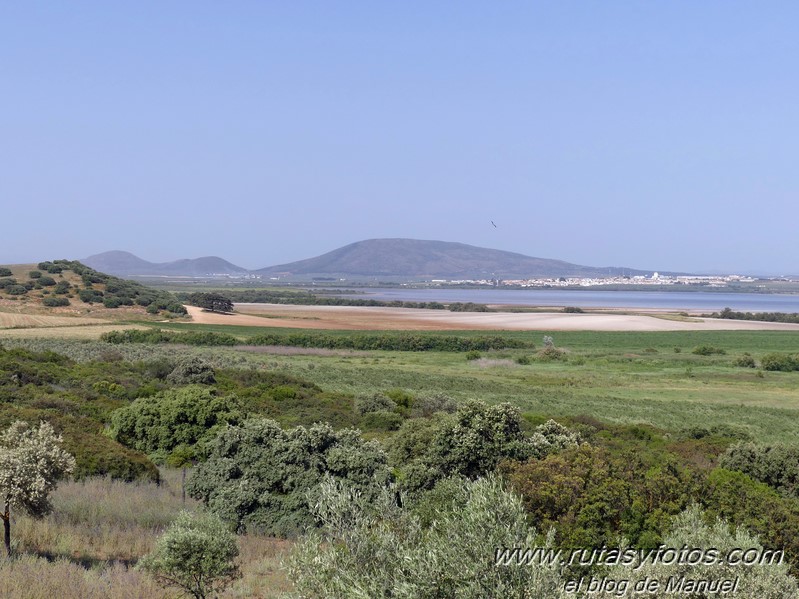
x=125, y=264
x=415, y=258
x=386, y=258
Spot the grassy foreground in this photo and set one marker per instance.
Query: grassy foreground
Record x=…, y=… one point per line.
x=100, y=528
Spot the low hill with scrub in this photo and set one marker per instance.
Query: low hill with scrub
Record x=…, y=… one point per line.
x=69, y=288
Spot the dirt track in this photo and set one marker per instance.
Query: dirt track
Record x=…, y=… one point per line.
x=370, y=318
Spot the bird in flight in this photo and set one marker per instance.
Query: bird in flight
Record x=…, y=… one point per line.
x=492, y=222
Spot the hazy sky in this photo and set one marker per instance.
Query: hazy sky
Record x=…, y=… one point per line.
x=661, y=135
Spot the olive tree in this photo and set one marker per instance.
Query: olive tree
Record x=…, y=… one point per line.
x=764, y=577
x=371, y=547
x=196, y=554
x=31, y=463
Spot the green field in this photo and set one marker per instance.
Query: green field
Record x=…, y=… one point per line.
x=613, y=376
x=610, y=376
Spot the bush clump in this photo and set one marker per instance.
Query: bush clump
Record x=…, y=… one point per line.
x=780, y=362
x=192, y=370
x=469, y=443
x=745, y=361
x=258, y=476
x=190, y=416
x=708, y=350
x=551, y=354
x=775, y=465
x=55, y=302
x=376, y=402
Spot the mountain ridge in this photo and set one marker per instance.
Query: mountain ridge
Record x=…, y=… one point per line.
x=122, y=263
x=384, y=257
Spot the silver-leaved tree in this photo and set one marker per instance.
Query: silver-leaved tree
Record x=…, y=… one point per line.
x=31, y=463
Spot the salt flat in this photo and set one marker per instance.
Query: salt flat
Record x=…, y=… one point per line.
x=379, y=318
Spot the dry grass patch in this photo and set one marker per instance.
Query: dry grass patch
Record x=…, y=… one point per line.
x=100, y=528
x=494, y=363
x=100, y=520
x=15, y=320
x=262, y=573
x=30, y=577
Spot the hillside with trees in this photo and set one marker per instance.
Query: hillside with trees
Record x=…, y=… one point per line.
x=67, y=287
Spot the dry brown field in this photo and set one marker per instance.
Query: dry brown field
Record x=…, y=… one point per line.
x=378, y=318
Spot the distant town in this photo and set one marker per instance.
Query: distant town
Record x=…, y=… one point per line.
x=656, y=279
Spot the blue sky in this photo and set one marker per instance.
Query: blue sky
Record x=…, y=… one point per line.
x=659, y=135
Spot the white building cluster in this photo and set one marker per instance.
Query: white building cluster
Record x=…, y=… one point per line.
x=655, y=279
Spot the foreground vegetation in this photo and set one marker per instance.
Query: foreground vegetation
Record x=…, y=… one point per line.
x=317, y=453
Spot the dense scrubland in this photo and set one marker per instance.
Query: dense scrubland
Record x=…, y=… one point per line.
x=394, y=464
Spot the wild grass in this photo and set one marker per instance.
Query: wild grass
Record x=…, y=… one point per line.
x=32, y=577
x=102, y=520
x=98, y=530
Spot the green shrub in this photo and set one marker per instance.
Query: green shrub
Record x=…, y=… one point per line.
x=592, y=496
x=5, y=272
x=257, y=475
x=523, y=360
x=16, y=290
x=62, y=288
x=754, y=505
x=112, y=302
x=573, y=310
x=196, y=554
x=775, y=465
x=90, y=296
x=54, y=302
x=359, y=341
x=190, y=416
x=779, y=362
x=469, y=443
x=95, y=453
x=708, y=350
x=473, y=355
x=46, y=281
x=745, y=361
x=376, y=402
x=551, y=354
x=191, y=370
x=467, y=307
